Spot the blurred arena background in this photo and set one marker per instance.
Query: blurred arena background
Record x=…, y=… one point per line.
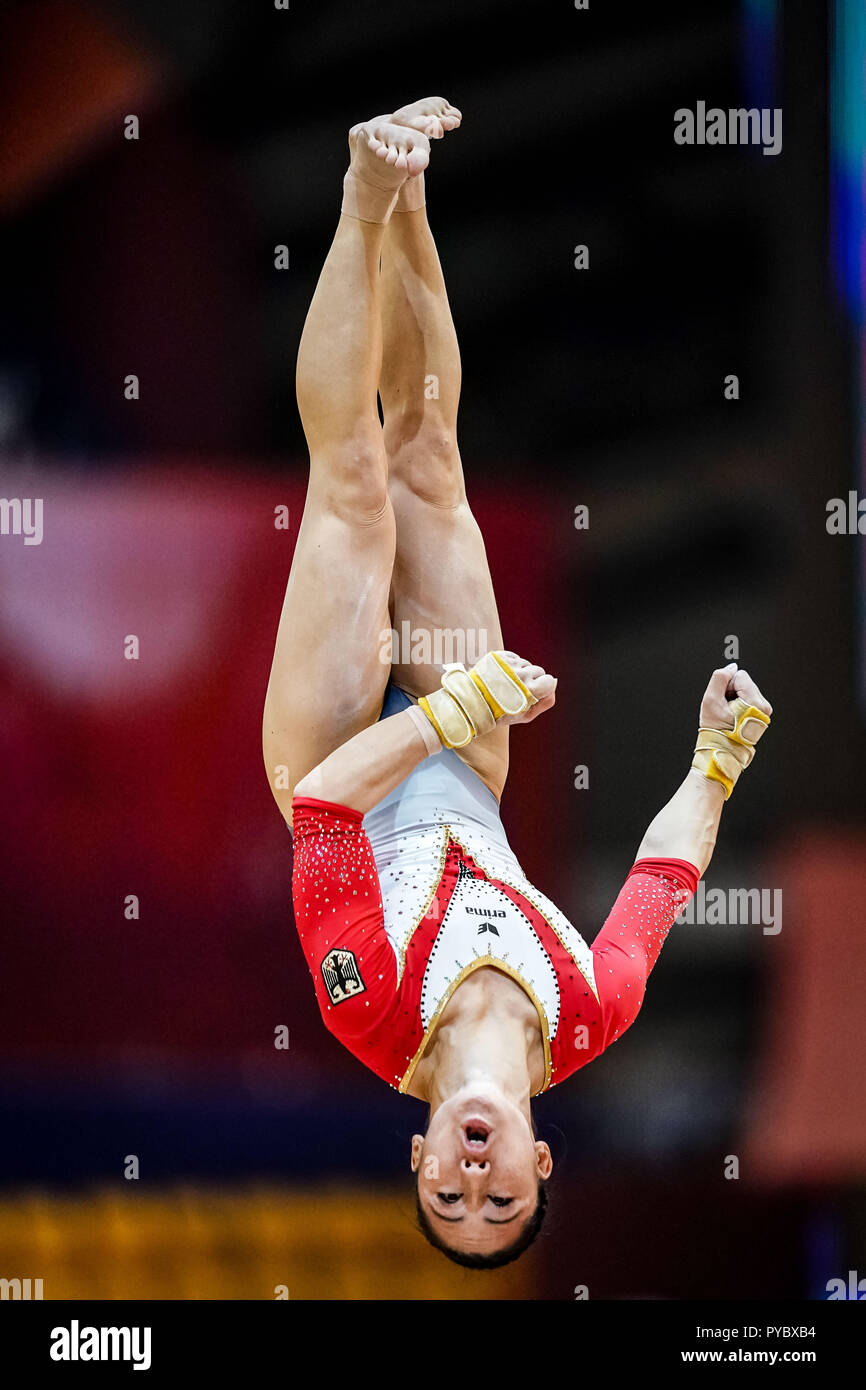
x=154, y=1036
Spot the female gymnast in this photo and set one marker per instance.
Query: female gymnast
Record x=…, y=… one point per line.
x=435, y=961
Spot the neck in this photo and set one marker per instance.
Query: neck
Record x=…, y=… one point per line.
x=487, y=1035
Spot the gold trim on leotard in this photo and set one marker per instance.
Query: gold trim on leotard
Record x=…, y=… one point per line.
x=493, y=875
x=407, y=936
x=448, y=836
x=464, y=974
x=518, y=888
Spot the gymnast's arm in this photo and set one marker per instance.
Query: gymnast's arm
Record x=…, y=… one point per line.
x=371, y=764
x=687, y=826
x=367, y=767
x=676, y=849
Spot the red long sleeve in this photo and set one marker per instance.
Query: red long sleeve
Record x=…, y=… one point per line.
x=628, y=945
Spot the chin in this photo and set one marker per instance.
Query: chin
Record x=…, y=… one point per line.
x=481, y=1100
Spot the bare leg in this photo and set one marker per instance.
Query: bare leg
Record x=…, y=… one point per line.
x=328, y=676
x=441, y=577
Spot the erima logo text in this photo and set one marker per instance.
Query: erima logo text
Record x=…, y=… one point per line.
x=76, y=1343
x=487, y=912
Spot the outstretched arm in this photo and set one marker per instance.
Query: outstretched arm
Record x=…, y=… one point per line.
x=676, y=849
x=686, y=827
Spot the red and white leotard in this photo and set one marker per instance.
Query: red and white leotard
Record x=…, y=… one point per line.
x=396, y=908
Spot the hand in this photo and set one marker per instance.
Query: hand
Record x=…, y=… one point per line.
x=537, y=680
x=727, y=684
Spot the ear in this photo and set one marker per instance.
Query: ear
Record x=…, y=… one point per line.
x=544, y=1159
x=417, y=1146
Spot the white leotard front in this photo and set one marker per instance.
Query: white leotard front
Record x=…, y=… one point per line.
x=409, y=832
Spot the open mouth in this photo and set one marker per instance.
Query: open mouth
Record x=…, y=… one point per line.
x=476, y=1134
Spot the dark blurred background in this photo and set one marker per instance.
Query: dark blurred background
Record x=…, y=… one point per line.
x=153, y=1035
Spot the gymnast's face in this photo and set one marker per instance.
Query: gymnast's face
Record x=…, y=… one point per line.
x=478, y=1168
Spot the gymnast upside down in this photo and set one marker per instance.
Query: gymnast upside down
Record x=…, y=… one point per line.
x=435, y=961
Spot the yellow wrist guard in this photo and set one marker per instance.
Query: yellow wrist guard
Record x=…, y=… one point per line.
x=720, y=754
x=470, y=702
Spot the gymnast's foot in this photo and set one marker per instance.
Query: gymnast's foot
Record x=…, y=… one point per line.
x=383, y=157
x=432, y=116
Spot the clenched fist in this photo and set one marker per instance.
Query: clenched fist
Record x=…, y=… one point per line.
x=541, y=685
x=734, y=715
x=726, y=685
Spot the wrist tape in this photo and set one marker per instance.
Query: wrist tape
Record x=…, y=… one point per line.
x=722, y=755
x=470, y=702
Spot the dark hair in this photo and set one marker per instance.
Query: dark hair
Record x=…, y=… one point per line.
x=497, y=1258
